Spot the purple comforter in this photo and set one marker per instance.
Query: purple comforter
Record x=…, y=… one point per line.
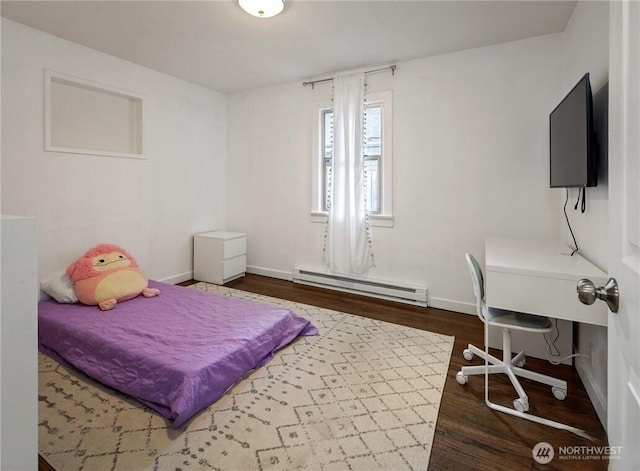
x=177, y=353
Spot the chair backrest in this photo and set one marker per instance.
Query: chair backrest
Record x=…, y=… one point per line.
x=478, y=283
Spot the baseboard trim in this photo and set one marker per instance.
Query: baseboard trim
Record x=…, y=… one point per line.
x=438, y=303
x=593, y=391
x=449, y=305
x=174, y=280
x=279, y=274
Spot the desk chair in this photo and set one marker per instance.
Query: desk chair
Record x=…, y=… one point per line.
x=512, y=367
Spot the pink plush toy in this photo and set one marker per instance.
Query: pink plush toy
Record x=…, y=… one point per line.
x=107, y=274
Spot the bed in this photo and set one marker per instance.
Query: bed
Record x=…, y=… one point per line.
x=177, y=353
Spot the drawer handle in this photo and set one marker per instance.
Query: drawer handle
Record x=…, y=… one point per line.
x=609, y=293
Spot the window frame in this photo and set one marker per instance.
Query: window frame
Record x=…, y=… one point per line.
x=134, y=118
x=385, y=217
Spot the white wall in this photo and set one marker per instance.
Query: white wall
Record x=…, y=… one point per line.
x=470, y=159
x=151, y=207
x=585, y=46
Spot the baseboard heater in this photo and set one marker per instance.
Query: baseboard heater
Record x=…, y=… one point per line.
x=392, y=291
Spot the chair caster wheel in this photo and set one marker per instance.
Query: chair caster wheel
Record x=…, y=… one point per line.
x=467, y=354
x=460, y=378
x=521, y=363
x=559, y=393
x=520, y=405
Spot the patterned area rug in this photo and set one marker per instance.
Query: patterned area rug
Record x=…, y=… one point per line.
x=362, y=395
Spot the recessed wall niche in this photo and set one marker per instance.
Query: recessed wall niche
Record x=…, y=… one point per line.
x=85, y=117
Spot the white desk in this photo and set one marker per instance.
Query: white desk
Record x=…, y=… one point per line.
x=535, y=276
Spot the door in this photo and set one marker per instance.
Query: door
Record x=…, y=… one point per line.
x=623, y=414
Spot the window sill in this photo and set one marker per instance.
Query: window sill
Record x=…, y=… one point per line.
x=376, y=220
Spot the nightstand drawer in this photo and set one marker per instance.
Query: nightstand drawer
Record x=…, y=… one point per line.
x=234, y=247
x=233, y=267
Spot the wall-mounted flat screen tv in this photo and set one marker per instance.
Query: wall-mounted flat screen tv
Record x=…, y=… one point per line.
x=573, y=150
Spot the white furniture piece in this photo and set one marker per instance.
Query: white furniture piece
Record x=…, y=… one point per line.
x=506, y=321
x=219, y=257
x=539, y=277
x=511, y=366
x=18, y=344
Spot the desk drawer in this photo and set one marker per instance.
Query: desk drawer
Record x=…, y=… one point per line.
x=541, y=295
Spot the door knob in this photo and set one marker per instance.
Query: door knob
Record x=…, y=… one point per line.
x=609, y=293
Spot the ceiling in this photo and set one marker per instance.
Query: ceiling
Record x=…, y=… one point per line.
x=217, y=45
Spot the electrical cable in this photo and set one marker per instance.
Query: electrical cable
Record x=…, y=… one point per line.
x=568, y=223
x=582, y=191
x=558, y=362
x=552, y=346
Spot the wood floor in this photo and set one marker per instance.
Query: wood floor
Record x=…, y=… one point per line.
x=469, y=436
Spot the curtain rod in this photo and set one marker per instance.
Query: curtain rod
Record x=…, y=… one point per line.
x=392, y=68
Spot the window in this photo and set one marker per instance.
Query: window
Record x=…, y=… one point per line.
x=377, y=159
x=327, y=156
x=373, y=156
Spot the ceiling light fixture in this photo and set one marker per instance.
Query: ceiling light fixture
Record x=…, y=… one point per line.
x=262, y=8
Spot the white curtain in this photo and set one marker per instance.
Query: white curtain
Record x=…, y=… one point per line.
x=348, y=249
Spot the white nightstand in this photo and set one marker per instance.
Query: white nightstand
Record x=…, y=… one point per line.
x=219, y=257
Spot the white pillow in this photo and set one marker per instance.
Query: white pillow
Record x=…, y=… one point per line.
x=60, y=288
